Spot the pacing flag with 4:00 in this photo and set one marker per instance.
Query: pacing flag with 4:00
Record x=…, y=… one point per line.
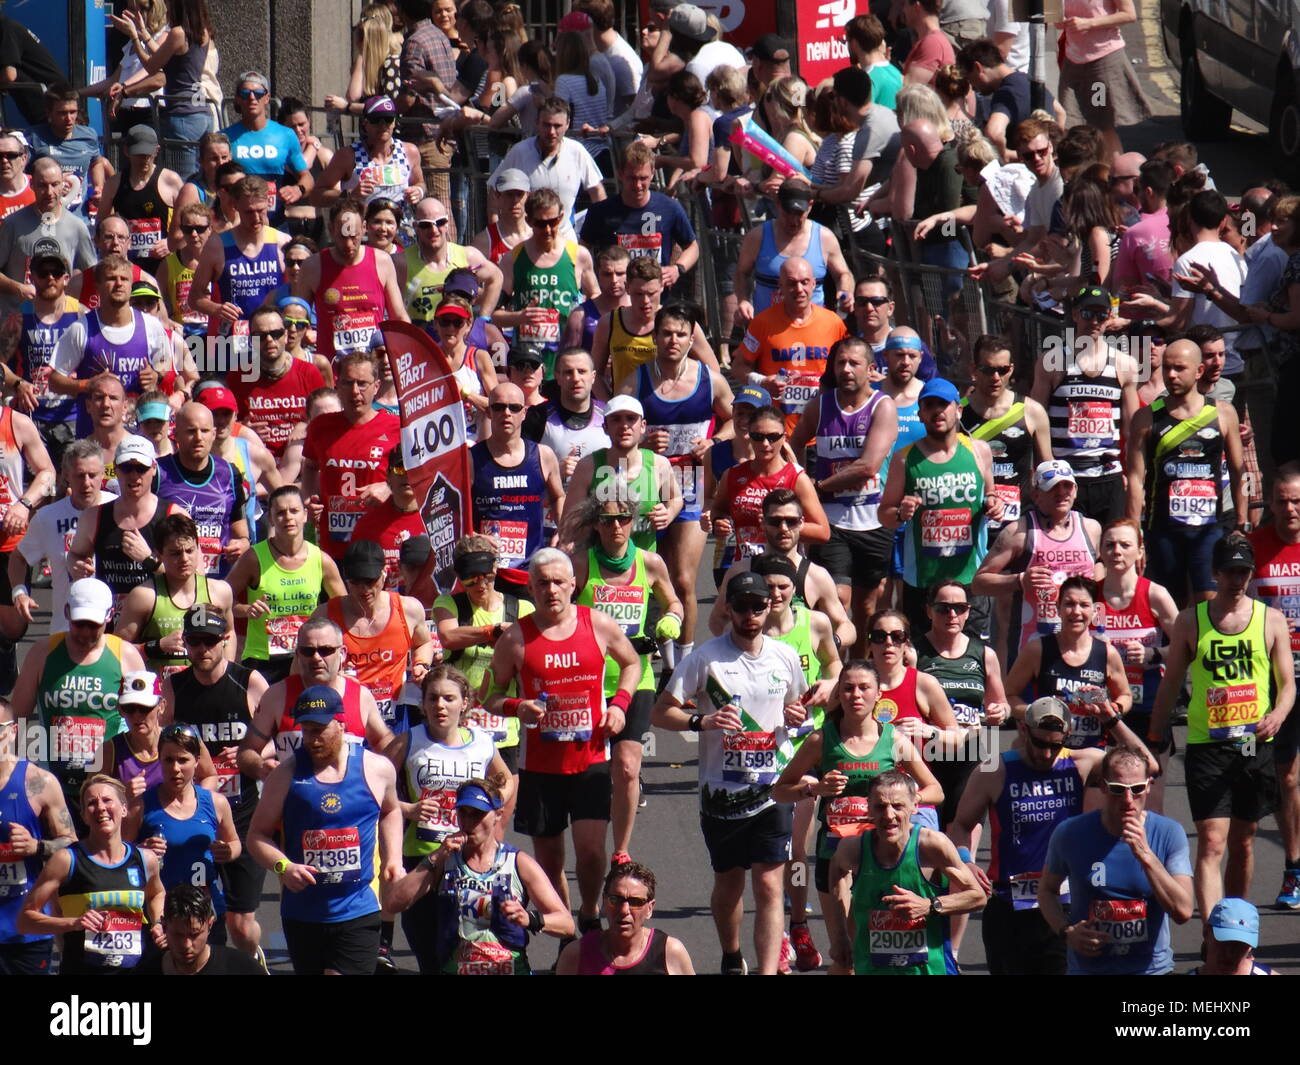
x=434, y=448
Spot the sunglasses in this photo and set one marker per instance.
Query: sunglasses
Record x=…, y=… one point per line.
x=894, y=636
x=312, y=652
x=544, y=223
x=1093, y=314
x=136, y=708
x=636, y=902
x=450, y=321
x=381, y=120
x=294, y=264
x=766, y=438
x=1044, y=745
x=1034, y=153
x=1114, y=787
x=477, y=579
x=875, y=301
x=950, y=608
x=9, y=157
x=193, y=231
x=501, y=408
x=274, y=334
x=296, y=323
x=133, y=468
x=432, y=223
x=994, y=371
x=48, y=272
x=251, y=94
x=202, y=639
x=176, y=732
x=615, y=519
x=784, y=523
x=750, y=606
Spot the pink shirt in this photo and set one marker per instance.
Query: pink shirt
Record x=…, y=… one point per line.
x=1091, y=45
x=930, y=52
x=1144, y=249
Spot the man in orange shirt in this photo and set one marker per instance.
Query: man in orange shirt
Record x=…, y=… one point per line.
x=786, y=348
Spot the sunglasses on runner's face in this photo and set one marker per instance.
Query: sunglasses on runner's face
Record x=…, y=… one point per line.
x=784, y=523
x=950, y=608
x=296, y=323
x=9, y=157
x=1114, y=787
x=251, y=94
x=615, y=519
x=501, y=408
x=880, y=636
x=432, y=223
x=766, y=438
x=994, y=371
x=1045, y=745
x=636, y=902
x=200, y=639
x=875, y=301
x=323, y=652
x=274, y=334
x=750, y=606
x=193, y=231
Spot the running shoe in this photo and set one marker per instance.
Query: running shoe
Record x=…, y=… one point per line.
x=1290, y=894
x=807, y=957
x=738, y=969
x=640, y=792
x=384, y=964
x=588, y=924
x=620, y=858
x=260, y=958
x=788, y=956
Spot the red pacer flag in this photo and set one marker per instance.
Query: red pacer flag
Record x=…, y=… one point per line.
x=434, y=446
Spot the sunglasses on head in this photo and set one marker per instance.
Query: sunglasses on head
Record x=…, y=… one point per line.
x=1114, y=787
x=880, y=636
x=994, y=371
x=175, y=732
x=950, y=608
x=251, y=94
x=501, y=408
x=323, y=652
x=766, y=438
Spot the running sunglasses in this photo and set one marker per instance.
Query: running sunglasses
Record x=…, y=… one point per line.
x=296, y=323
x=251, y=94
x=544, y=223
x=636, y=902
x=1044, y=745
x=994, y=371
x=880, y=636
x=193, y=231
x=501, y=408
x=202, y=639
x=451, y=321
x=875, y=301
x=766, y=438
x=310, y=652
x=431, y=223
x=1114, y=787
x=784, y=523
x=1093, y=314
x=615, y=519
x=175, y=732
x=9, y=157
x=950, y=608
x=274, y=334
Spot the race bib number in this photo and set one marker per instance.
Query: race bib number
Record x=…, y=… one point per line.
x=77, y=741
x=846, y=815
x=749, y=758
x=344, y=512
x=896, y=941
x=796, y=394
x=493, y=724
x=1233, y=710
x=968, y=715
x=119, y=944
x=41, y=383
x=352, y=331
x=282, y=634
x=1010, y=496
x=750, y=541
x=145, y=233
x=335, y=852
x=945, y=533
x=568, y=718
x=1085, y=725
x=482, y=958
x=512, y=540
x=272, y=196
x=626, y=605
x=443, y=823
x=382, y=174
x=210, y=544
x=228, y=779
x=13, y=873
x=649, y=245
x=1091, y=423
x=1193, y=502
x=546, y=331
x=1123, y=920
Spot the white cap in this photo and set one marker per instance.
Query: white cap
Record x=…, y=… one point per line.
x=1051, y=473
x=140, y=687
x=624, y=403
x=135, y=449
x=89, y=600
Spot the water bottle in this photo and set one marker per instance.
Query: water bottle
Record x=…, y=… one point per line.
x=740, y=709
x=542, y=698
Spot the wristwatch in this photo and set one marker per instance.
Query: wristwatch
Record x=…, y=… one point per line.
x=936, y=905
x=282, y=866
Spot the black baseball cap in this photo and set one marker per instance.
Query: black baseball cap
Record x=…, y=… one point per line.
x=772, y=48
x=1233, y=552
x=414, y=551
x=1090, y=296
x=747, y=585
x=363, y=561
x=525, y=356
